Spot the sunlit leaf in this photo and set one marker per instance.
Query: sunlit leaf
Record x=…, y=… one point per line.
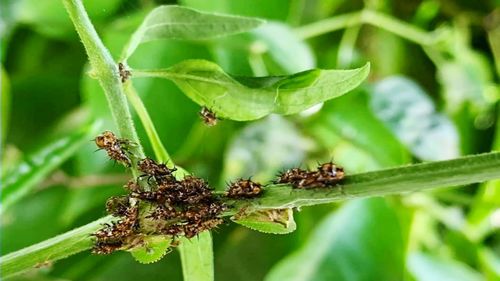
x=407, y=111
x=341, y=127
x=349, y=244
x=249, y=98
x=269, y=221
x=425, y=267
x=154, y=248
x=38, y=165
x=175, y=22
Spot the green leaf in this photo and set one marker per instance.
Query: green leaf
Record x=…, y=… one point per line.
x=277, y=9
x=49, y=17
x=431, y=268
x=410, y=114
x=274, y=44
x=197, y=257
x=262, y=149
x=349, y=244
x=154, y=248
x=175, y=22
x=250, y=98
x=269, y=221
x=5, y=103
x=341, y=127
x=38, y=165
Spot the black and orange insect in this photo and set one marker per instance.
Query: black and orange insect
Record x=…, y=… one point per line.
x=117, y=149
x=208, y=116
x=244, y=189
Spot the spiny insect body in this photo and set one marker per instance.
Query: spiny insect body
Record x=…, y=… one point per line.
x=117, y=149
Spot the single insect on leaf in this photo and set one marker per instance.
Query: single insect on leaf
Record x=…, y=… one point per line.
x=269, y=221
x=250, y=98
x=154, y=248
x=175, y=22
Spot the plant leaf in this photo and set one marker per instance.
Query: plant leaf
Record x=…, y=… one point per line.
x=34, y=169
x=155, y=248
x=269, y=221
x=175, y=22
x=349, y=245
x=197, y=257
x=250, y=98
x=432, y=268
x=410, y=114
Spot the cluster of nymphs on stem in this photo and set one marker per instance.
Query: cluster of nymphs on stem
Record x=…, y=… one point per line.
x=159, y=204
x=327, y=174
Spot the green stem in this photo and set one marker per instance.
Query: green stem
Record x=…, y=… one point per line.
x=53, y=249
x=376, y=19
x=399, y=180
x=158, y=148
x=196, y=254
x=106, y=71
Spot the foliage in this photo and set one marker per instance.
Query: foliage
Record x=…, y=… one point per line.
x=371, y=86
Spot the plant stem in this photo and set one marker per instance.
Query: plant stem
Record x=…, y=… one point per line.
x=399, y=180
x=53, y=249
x=158, y=148
x=196, y=254
x=376, y=19
x=106, y=71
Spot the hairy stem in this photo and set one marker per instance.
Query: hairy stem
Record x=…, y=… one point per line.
x=106, y=71
x=399, y=180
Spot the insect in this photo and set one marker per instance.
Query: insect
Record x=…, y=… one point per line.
x=244, y=189
x=292, y=176
x=208, y=116
x=117, y=205
x=160, y=172
x=325, y=175
x=124, y=73
x=115, y=148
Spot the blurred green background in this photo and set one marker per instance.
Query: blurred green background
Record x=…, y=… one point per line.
x=423, y=101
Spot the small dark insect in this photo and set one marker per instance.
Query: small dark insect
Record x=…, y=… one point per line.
x=117, y=205
x=115, y=147
x=160, y=172
x=244, y=189
x=164, y=213
x=124, y=73
x=105, y=248
x=208, y=117
x=326, y=174
x=292, y=176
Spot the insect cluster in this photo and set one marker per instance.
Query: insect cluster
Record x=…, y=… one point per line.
x=158, y=203
x=174, y=207
x=327, y=174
